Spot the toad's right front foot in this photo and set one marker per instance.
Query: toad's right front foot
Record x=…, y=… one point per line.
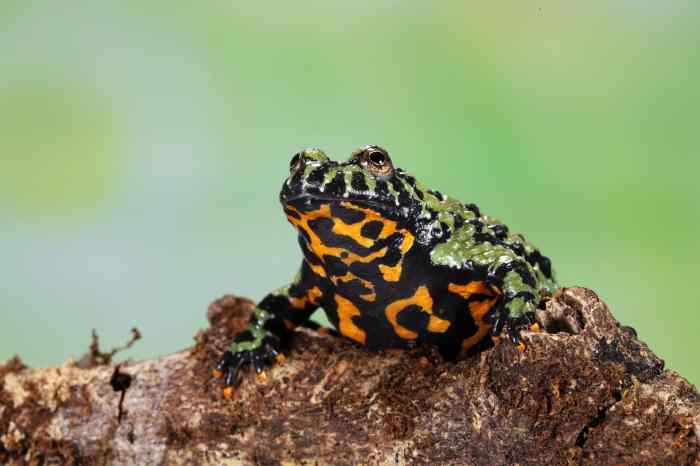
x=259, y=354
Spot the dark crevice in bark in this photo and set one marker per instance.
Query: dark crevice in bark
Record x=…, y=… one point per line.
x=597, y=420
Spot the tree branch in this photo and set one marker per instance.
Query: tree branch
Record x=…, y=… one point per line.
x=585, y=391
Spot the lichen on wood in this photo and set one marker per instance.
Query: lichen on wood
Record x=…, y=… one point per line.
x=585, y=391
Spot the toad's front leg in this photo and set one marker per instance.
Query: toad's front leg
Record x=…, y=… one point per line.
x=272, y=321
x=519, y=299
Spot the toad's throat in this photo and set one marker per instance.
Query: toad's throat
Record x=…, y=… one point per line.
x=309, y=202
x=346, y=242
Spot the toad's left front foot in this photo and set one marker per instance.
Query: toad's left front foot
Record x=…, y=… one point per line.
x=231, y=362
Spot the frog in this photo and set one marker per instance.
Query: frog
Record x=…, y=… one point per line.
x=394, y=264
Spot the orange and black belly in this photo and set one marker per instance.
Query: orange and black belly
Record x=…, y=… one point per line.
x=380, y=288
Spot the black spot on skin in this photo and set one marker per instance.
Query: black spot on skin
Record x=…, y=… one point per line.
x=321, y=226
x=365, y=271
x=473, y=208
x=336, y=187
x=437, y=194
x=478, y=227
x=412, y=182
x=335, y=266
x=501, y=231
x=296, y=290
x=518, y=267
x=316, y=176
x=348, y=216
x=382, y=189
x=404, y=197
x=344, y=255
x=372, y=229
x=459, y=222
x=353, y=288
x=517, y=248
x=493, y=236
x=413, y=318
x=545, y=265
x=304, y=238
x=392, y=256
x=358, y=182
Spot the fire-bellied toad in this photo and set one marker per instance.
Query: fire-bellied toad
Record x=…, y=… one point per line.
x=393, y=264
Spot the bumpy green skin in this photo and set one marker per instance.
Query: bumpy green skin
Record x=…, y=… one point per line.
x=392, y=263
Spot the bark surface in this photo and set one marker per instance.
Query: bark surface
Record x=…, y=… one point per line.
x=585, y=391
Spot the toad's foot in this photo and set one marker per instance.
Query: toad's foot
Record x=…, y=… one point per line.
x=514, y=317
x=243, y=352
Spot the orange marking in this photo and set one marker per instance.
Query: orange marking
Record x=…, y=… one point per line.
x=535, y=327
x=298, y=303
x=393, y=274
x=437, y=325
x=481, y=332
x=407, y=242
x=316, y=245
x=229, y=392
x=311, y=297
x=314, y=295
x=423, y=300
x=346, y=311
x=317, y=269
x=521, y=347
x=370, y=216
x=471, y=288
x=370, y=298
x=478, y=310
x=262, y=377
x=217, y=373
x=354, y=232
x=280, y=358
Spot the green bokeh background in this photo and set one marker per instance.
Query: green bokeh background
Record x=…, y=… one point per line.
x=142, y=147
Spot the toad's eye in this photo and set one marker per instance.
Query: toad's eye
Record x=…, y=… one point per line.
x=377, y=161
x=377, y=158
x=294, y=163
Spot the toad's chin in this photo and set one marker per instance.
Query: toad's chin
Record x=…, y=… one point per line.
x=313, y=201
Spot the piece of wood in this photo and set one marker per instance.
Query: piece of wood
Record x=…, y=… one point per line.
x=585, y=391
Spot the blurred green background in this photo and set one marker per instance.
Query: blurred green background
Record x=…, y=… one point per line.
x=142, y=147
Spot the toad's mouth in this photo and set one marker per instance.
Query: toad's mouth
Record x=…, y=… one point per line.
x=313, y=201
